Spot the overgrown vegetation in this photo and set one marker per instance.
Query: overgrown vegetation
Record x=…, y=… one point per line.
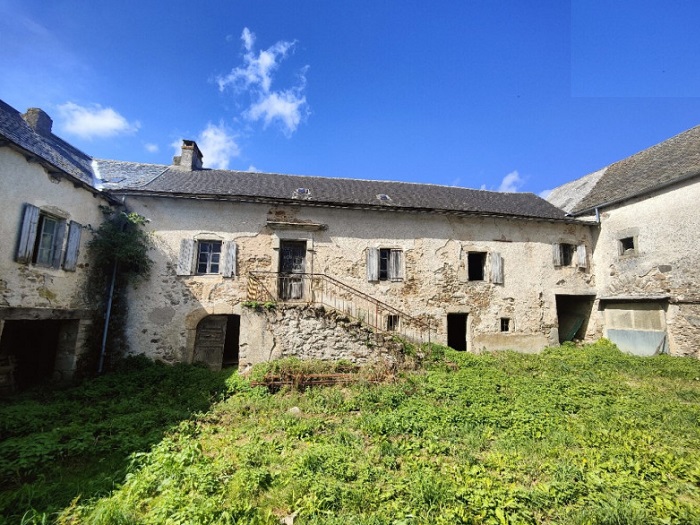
x=573, y=436
x=119, y=255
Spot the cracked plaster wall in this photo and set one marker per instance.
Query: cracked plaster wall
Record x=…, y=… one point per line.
x=665, y=227
x=162, y=323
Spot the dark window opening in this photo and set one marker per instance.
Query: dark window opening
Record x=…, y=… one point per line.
x=505, y=324
x=392, y=322
x=567, y=254
x=476, y=264
x=457, y=331
x=627, y=245
x=208, y=256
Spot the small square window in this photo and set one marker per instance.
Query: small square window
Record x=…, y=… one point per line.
x=392, y=323
x=627, y=246
x=476, y=265
x=208, y=256
x=505, y=324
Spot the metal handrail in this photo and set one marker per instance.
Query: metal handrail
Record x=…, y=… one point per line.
x=318, y=288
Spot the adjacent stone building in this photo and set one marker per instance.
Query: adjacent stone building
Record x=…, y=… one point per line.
x=645, y=258
x=48, y=201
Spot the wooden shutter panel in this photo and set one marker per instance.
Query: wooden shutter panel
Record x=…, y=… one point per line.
x=372, y=264
x=556, y=254
x=230, y=250
x=581, y=258
x=27, y=234
x=72, y=246
x=396, y=265
x=58, y=244
x=184, y=262
x=496, y=268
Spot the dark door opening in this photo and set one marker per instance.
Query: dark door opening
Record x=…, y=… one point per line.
x=33, y=346
x=233, y=330
x=292, y=263
x=573, y=313
x=457, y=331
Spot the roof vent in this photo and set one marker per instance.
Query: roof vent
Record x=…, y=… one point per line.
x=38, y=120
x=383, y=197
x=191, y=157
x=301, y=193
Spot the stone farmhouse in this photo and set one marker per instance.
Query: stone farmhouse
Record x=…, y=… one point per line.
x=254, y=266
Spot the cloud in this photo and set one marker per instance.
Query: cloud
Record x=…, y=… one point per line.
x=544, y=193
x=287, y=107
x=218, y=146
x=511, y=183
x=94, y=121
x=253, y=169
x=151, y=148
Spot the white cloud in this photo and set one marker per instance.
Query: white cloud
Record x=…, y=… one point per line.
x=151, y=148
x=511, y=183
x=253, y=169
x=218, y=146
x=544, y=193
x=287, y=107
x=93, y=121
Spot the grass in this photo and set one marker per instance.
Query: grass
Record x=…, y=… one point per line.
x=571, y=436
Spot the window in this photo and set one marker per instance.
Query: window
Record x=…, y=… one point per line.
x=206, y=256
x=505, y=324
x=566, y=254
x=476, y=265
x=384, y=264
x=392, y=322
x=41, y=239
x=627, y=246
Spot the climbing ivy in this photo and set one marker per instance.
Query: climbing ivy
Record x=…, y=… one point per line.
x=119, y=247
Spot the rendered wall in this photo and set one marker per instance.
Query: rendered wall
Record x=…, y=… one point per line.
x=165, y=310
x=664, y=264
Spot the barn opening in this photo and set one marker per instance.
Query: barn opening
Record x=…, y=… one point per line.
x=31, y=347
x=573, y=313
x=457, y=331
x=217, y=341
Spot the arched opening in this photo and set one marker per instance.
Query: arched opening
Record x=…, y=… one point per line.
x=217, y=339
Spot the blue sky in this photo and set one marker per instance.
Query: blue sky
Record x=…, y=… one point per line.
x=494, y=94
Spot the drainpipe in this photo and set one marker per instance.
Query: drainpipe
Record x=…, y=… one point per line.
x=110, y=297
x=597, y=215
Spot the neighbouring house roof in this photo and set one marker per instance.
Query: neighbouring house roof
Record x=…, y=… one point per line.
x=56, y=154
x=116, y=174
x=671, y=161
x=336, y=192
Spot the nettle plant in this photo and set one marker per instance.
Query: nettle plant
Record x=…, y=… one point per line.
x=119, y=258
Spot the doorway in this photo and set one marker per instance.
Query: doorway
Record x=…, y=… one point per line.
x=32, y=347
x=217, y=341
x=573, y=313
x=291, y=268
x=457, y=331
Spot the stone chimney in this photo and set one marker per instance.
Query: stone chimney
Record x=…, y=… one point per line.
x=191, y=156
x=38, y=120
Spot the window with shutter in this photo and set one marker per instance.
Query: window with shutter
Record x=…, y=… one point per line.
x=384, y=264
x=41, y=238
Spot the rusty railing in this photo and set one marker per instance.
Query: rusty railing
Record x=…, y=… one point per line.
x=321, y=289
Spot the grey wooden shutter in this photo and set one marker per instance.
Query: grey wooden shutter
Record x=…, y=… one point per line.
x=496, y=268
x=396, y=265
x=58, y=244
x=27, y=234
x=72, y=246
x=581, y=259
x=229, y=269
x=184, y=262
x=372, y=264
x=556, y=254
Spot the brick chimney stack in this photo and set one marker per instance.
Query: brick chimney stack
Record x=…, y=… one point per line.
x=191, y=156
x=38, y=120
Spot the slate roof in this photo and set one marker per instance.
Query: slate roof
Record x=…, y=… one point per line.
x=116, y=174
x=325, y=191
x=50, y=148
x=673, y=160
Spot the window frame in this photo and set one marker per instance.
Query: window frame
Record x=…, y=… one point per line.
x=188, y=257
x=40, y=248
x=385, y=264
x=212, y=257
x=568, y=254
